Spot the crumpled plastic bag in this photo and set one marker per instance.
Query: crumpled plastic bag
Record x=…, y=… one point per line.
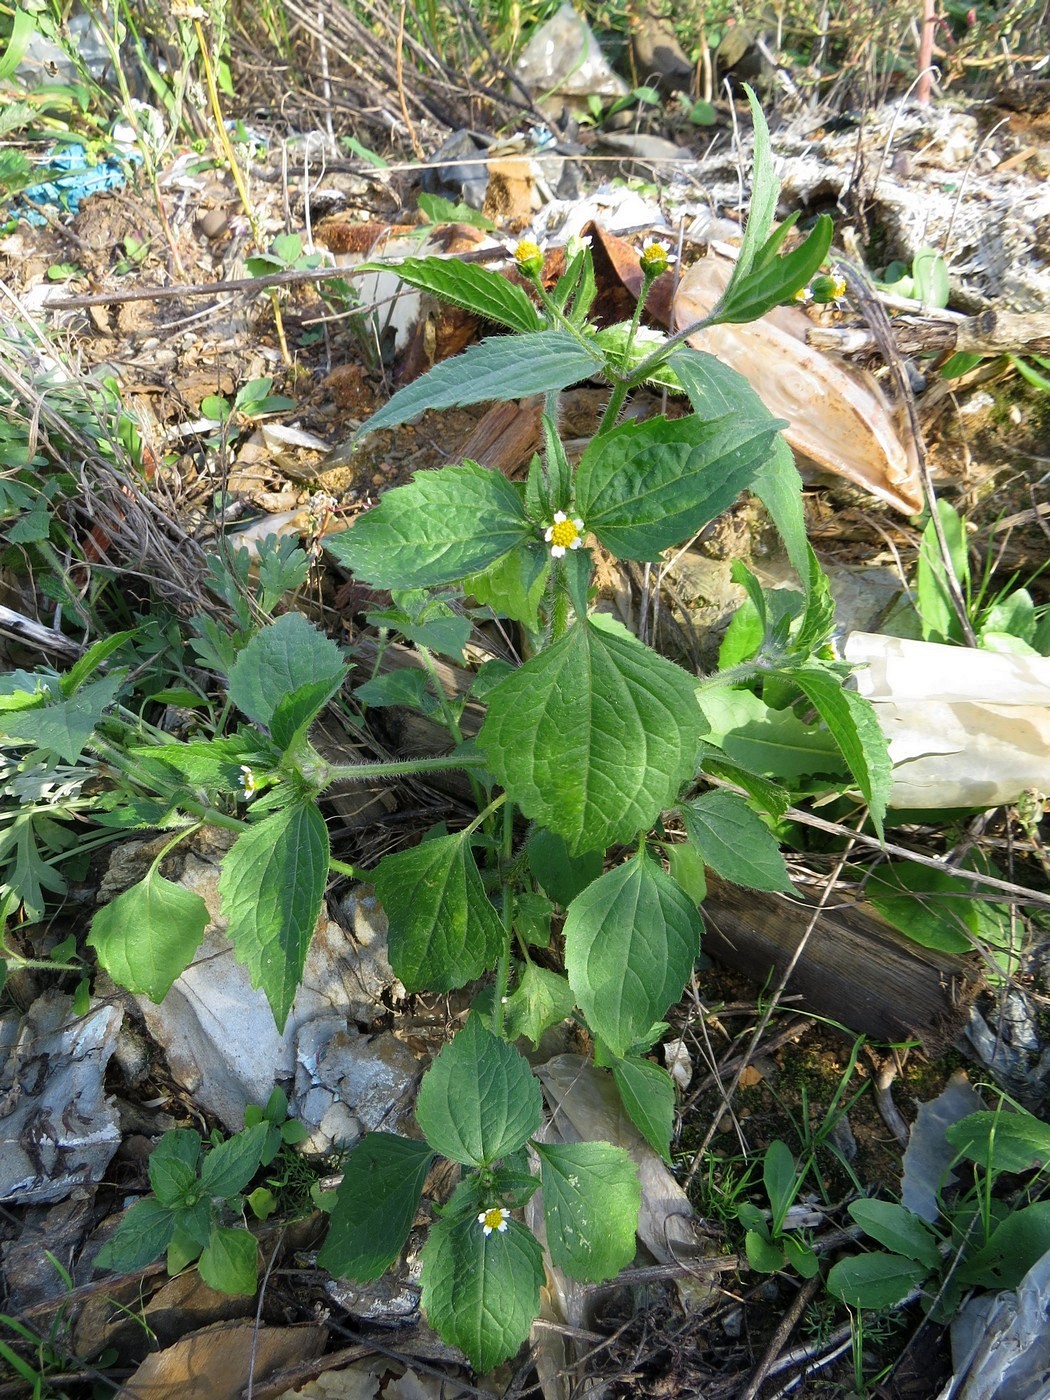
x=563, y=64
x=966, y=728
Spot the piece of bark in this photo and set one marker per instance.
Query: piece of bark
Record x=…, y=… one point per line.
x=855, y=969
x=989, y=333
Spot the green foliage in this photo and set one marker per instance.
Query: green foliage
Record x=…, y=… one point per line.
x=591, y=739
x=971, y=1244
x=196, y=1189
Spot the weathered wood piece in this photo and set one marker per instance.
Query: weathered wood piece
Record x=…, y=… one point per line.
x=855, y=968
x=989, y=333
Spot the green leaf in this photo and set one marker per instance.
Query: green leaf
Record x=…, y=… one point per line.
x=148, y=935
x=229, y=1261
x=593, y=737
x=765, y=191
x=479, y=1100
x=851, y=720
x=778, y=485
x=278, y=661
x=214, y=764
x=271, y=887
x=735, y=842
x=647, y=1093
x=643, y=487
x=775, y=282
x=469, y=286
x=229, y=1167
x=932, y=907
x=173, y=1166
x=23, y=27
x=763, y=1255
x=444, y=930
x=1015, y=1246
x=940, y=621
x=92, y=659
x=403, y=687
x=799, y=1255
x=560, y=875
x=541, y=999
x=481, y=1292
x=631, y=939
x=376, y=1203
x=876, y=1281
x=930, y=272
x=142, y=1236
x=687, y=869
x=765, y=741
x=504, y=367
x=65, y=726
x=1002, y=1142
x=293, y=714
x=591, y=1196
x=780, y=1179
x=443, y=525
x=514, y=586
x=898, y=1229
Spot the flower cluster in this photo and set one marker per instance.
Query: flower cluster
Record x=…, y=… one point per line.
x=495, y=1218
x=565, y=533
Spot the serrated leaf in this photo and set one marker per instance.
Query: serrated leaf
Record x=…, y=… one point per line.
x=469, y=286
x=735, y=842
x=896, y=1228
x=148, y=935
x=932, y=907
x=443, y=525
x=593, y=737
x=375, y=1206
x=406, y=686
x=481, y=1292
x=229, y=1261
x=64, y=726
x=444, y=930
x=514, y=586
x=229, y=1167
x=173, y=1165
x=294, y=713
x=560, y=875
x=647, y=1092
x=1002, y=1142
x=212, y=764
x=271, y=888
x=142, y=1236
x=778, y=485
x=644, y=487
x=504, y=367
x=771, y=742
x=852, y=723
x=631, y=939
x=591, y=1196
x=875, y=1281
x=479, y=1100
x=282, y=657
x=541, y=999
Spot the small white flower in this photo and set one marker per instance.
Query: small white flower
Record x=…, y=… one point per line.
x=576, y=244
x=565, y=533
x=247, y=781
x=656, y=257
x=495, y=1218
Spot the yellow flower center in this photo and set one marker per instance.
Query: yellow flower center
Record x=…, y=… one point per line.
x=563, y=532
x=493, y=1218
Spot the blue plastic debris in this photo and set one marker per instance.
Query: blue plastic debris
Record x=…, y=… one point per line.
x=73, y=178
